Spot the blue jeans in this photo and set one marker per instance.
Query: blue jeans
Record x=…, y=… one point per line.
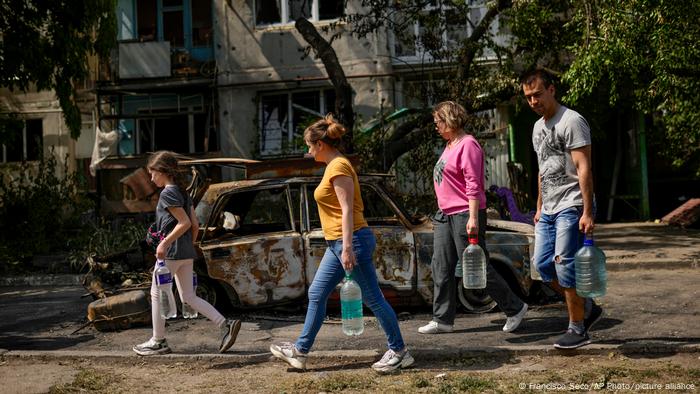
x=557, y=239
x=330, y=272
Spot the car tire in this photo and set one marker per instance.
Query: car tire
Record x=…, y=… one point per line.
x=474, y=301
x=206, y=290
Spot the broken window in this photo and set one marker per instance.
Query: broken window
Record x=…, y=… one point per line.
x=27, y=144
x=183, y=23
x=255, y=212
x=377, y=211
x=147, y=15
x=155, y=121
x=269, y=12
x=283, y=118
x=201, y=23
x=438, y=31
x=173, y=29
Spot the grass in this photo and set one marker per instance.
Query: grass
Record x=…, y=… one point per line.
x=88, y=380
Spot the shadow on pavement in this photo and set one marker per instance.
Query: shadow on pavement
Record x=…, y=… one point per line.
x=13, y=342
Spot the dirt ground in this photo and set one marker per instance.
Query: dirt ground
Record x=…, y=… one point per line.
x=611, y=373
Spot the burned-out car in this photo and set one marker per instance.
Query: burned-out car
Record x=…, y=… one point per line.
x=261, y=239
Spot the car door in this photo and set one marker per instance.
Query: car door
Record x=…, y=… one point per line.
x=394, y=257
x=256, y=246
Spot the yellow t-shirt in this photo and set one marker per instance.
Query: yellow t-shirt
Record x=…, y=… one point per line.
x=329, y=210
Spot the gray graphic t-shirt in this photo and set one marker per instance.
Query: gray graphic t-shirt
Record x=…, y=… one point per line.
x=553, y=141
x=171, y=196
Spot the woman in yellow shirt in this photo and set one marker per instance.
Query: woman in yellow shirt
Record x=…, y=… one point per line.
x=350, y=248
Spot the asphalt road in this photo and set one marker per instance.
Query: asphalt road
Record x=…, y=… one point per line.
x=644, y=309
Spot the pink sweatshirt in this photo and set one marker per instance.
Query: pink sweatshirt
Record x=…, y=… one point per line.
x=459, y=176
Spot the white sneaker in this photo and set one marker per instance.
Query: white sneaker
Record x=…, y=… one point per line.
x=393, y=360
x=514, y=321
x=288, y=352
x=435, y=328
x=151, y=347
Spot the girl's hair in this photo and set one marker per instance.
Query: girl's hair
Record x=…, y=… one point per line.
x=452, y=113
x=166, y=162
x=327, y=130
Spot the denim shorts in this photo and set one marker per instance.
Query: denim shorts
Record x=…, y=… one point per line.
x=557, y=239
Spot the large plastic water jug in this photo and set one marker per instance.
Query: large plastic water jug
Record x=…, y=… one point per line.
x=591, y=275
x=351, y=306
x=474, y=265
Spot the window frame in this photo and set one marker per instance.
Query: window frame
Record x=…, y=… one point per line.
x=288, y=125
x=419, y=53
x=285, y=14
x=222, y=201
x=25, y=144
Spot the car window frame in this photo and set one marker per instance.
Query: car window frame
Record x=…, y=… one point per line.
x=218, y=206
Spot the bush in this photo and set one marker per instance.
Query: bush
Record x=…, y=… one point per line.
x=106, y=239
x=40, y=212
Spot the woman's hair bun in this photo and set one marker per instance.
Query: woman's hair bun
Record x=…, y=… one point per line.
x=335, y=130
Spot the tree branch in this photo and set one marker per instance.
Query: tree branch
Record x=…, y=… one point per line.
x=343, y=91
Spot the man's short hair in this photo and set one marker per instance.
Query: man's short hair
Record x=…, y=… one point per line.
x=529, y=77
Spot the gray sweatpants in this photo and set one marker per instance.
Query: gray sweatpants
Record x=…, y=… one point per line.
x=449, y=241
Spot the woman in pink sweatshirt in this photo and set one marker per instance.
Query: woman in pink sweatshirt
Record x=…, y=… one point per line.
x=458, y=179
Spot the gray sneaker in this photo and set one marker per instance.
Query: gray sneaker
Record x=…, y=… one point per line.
x=231, y=329
x=393, y=360
x=288, y=352
x=152, y=347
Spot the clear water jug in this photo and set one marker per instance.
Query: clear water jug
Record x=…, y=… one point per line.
x=591, y=275
x=474, y=265
x=187, y=311
x=164, y=283
x=351, y=306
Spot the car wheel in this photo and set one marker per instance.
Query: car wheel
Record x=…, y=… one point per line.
x=474, y=301
x=206, y=290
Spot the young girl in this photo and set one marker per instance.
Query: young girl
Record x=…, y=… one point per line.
x=176, y=219
x=351, y=245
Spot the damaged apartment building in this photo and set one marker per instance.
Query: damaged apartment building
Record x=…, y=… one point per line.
x=229, y=78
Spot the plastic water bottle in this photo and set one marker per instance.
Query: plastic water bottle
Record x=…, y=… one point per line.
x=591, y=276
x=187, y=311
x=164, y=282
x=474, y=265
x=351, y=306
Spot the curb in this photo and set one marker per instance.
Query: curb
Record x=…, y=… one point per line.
x=632, y=348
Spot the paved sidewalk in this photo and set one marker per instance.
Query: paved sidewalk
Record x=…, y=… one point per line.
x=651, y=245
x=645, y=312
x=651, y=307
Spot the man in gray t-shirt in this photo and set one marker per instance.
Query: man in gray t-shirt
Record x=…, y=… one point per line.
x=562, y=141
x=553, y=140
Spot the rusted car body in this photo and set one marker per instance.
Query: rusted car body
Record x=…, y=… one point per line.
x=270, y=254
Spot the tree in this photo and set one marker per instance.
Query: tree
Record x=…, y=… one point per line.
x=46, y=43
x=644, y=55
x=464, y=77
x=631, y=54
x=343, y=91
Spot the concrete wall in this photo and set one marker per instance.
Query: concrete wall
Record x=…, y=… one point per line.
x=254, y=60
x=44, y=105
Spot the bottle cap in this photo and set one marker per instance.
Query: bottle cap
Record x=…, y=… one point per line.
x=473, y=239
